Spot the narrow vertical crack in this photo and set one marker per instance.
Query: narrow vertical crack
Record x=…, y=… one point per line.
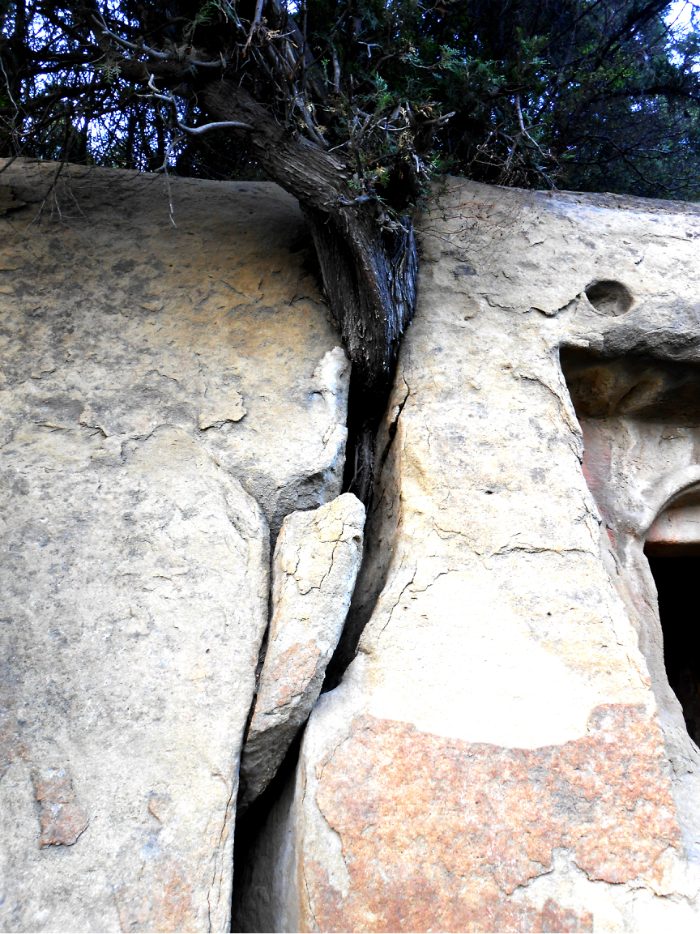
x=367, y=408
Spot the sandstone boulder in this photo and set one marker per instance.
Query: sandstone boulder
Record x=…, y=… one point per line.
x=134, y=584
x=120, y=318
x=168, y=390
x=315, y=566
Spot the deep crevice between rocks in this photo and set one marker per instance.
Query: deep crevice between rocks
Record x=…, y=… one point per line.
x=247, y=832
x=366, y=410
x=375, y=561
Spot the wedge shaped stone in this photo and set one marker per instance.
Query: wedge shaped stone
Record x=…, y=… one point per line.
x=315, y=566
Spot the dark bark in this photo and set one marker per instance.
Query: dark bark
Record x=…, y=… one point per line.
x=370, y=280
x=369, y=275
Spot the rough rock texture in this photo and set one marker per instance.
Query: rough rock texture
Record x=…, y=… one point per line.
x=678, y=526
x=642, y=464
x=503, y=752
x=134, y=593
x=315, y=566
x=213, y=326
x=166, y=391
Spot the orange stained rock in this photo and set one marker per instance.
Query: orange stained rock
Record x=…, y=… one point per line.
x=161, y=900
x=61, y=818
x=438, y=833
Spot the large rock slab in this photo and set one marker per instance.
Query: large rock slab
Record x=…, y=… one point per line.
x=314, y=570
x=502, y=753
x=134, y=587
x=120, y=318
x=166, y=393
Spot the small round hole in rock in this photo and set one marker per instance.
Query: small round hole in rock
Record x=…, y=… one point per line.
x=609, y=297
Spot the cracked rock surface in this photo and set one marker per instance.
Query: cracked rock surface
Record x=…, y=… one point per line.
x=502, y=752
x=315, y=566
x=168, y=393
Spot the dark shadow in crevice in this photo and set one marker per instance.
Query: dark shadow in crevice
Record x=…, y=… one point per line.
x=376, y=561
x=366, y=408
x=676, y=574
x=247, y=834
x=358, y=617
x=363, y=468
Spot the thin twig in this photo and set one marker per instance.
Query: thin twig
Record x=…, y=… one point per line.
x=197, y=130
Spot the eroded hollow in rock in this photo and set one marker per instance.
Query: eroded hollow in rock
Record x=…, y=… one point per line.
x=609, y=297
x=676, y=582
x=672, y=547
x=640, y=417
x=632, y=387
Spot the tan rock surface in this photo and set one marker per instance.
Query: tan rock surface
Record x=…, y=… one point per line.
x=156, y=381
x=314, y=570
x=499, y=755
x=134, y=592
x=213, y=325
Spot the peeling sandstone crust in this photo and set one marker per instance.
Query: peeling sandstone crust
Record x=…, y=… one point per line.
x=504, y=751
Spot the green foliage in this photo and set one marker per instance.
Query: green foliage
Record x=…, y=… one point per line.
x=583, y=94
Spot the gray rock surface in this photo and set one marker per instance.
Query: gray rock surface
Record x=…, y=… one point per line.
x=504, y=752
x=165, y=393
x=317, y=557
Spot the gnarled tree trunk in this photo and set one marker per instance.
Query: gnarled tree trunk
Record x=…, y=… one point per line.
x=370, y=281
x=369, y=274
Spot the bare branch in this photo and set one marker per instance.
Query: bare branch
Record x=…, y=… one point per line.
x=197, y=130
x=217, y=125
x=254, y=25
x=154, y=53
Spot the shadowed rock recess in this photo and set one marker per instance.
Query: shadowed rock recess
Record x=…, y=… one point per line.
x=503, y=743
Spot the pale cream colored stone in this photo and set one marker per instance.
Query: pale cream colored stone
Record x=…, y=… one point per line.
x=134, y=591
x=122, y=322
x=315, y=566
x=165, y=393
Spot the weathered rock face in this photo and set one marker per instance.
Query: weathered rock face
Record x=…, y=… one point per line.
x=134, y=600
x=166, y=393
x=212, y=326
x=641, y=430
x=315, y=566
x=504, y=753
